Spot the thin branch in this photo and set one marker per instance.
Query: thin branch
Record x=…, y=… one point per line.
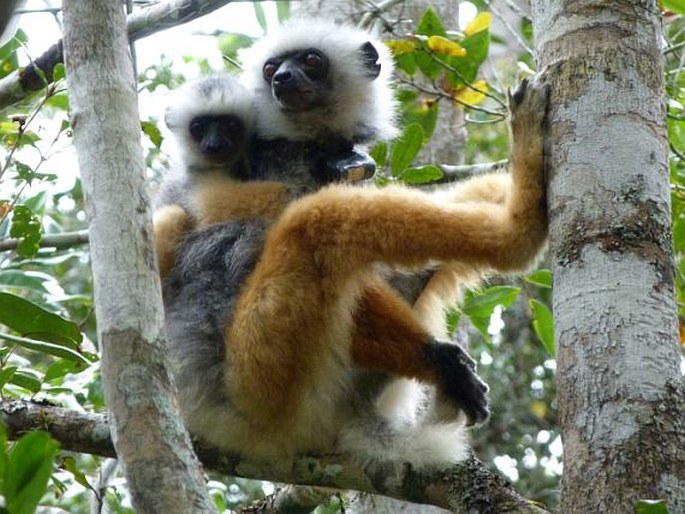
x=439, y=93
x=57, y=241
x=376, y=11
x=466, y=487
x=21, y=83
x=510, y=29
x=454, y=173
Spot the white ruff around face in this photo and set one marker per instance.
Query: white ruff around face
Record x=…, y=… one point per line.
x=213, y=95
x=361, y=108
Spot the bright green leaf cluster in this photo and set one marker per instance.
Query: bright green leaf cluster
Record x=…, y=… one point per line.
x=25, y=470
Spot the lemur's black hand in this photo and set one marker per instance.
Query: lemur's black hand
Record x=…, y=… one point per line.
x=458, y=379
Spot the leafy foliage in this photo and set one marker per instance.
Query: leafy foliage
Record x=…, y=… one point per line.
x=47, y=326
x=25, y=470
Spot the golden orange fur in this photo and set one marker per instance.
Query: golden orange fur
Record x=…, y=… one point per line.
x=317, y=278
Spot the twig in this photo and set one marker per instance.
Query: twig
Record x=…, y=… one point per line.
x=57, y=241
x=510, y=29
x=453, y=173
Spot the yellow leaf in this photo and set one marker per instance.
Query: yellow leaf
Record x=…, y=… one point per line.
x=538, y=409
x=480, y=22
x=426, y=104
x=400, y=47
x=442, y=45
x=4, y=209
x=472, y=95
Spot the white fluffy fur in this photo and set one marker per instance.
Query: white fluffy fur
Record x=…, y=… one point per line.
x=209, y=95
x=363, y=108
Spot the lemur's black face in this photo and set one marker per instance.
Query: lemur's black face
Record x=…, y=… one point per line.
x=301, y=80
x=221, y=138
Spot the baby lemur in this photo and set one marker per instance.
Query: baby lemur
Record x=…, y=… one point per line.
x=281, y=331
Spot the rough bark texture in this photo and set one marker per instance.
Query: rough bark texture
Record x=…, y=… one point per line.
x=467, y=487
x=620, y=391
x=162, y=471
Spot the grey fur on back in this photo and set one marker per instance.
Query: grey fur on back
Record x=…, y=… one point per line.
x=199, y=299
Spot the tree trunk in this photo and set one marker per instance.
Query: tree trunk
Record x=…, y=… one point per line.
x=162, y=471
x=619, y=386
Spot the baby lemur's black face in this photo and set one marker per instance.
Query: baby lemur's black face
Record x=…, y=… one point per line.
x=301, y=80
x=220, y=138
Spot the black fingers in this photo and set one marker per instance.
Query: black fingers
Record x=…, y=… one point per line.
x=519, y=94
x=458, y=379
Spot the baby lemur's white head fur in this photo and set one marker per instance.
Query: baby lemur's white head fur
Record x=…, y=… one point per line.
x=212, y=120
x=314, y=79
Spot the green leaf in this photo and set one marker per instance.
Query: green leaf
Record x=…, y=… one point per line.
x=542, y=278
x=483, y=303
x=259, y=13
x=283, y=12
x=467, y=66
x=58, y=72
x=60, y=368
x=651, y=507
x=33, y=281
x=379, y=153
x=407, y=62
x=479, y=306
x=421, y=111
x=430, y=25
x=5, y=376
x=48, y=348
x=28, y=379
x=421, y=175
x=70, y=465
x=29, y=466
x=37, y=202
x=60, y=101
x=405, y=148
x=229, y=44
x=26, y=226
x=152, y=132
x=543, y=324
x=677, y=6
x=31, y=320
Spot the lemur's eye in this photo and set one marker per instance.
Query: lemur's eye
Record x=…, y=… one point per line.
x=313, y=60
x=269, y=70
x=196, y=130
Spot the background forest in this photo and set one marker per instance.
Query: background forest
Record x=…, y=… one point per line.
x=447, y=70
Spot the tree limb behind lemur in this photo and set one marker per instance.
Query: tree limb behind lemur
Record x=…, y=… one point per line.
x=21, y=83
x=452, y=173
x=466, y=487
x=59, y=241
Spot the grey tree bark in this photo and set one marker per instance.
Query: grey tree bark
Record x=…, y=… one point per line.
x=620, y=391
x=163, y=473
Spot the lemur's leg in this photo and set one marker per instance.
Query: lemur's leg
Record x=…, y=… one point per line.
x=388, y=337
x=294, y=319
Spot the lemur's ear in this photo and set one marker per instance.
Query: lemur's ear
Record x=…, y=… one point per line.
x=369, y=56
x=169, y=120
